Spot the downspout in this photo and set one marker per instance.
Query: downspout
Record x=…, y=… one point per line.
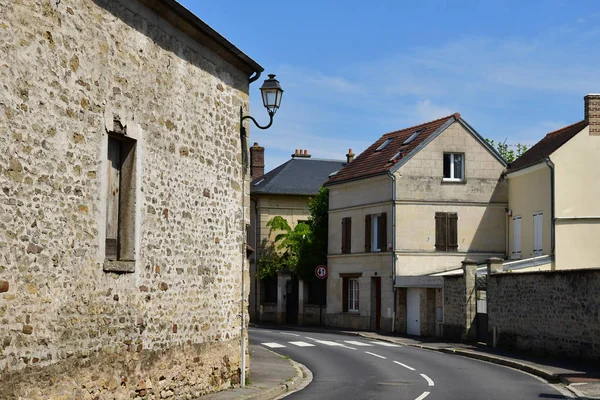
x=393, y=249
x=255, y=258
x=550, y=165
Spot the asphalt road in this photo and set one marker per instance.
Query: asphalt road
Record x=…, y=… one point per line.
x=347, y=367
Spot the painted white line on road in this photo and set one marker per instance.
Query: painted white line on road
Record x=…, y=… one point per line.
x=428, y=379
x=386, y=344
x=421, y=397
x=404, y=365
x=330, y=343
x=287, y=333
x=302, y=344
x=376, y=355
x=273, y=345
x=354, y=342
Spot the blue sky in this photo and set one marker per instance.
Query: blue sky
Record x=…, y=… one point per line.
x=354, y=70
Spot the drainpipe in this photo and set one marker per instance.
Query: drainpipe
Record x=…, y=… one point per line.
x=550, y=165
x=393, y=249
x=255, y=258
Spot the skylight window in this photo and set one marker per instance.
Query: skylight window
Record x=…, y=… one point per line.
x=259, y=182
x=413, y=136
x=334, y=173
x=397, y=155
x=384, y=144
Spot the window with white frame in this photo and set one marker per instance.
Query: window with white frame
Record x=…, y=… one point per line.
x=537, y=234
x=353, y=294
x=375, y=232
x=516, y=252
x=454, y=167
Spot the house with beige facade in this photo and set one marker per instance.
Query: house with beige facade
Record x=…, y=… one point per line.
x=418, y=201
x=553, y=196
x=121, y=231
x=284, y=191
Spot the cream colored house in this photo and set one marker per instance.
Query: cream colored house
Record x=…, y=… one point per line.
x=553, y=198
x=284, y=191
x=418, y=201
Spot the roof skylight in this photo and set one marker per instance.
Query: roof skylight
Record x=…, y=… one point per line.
x=413, y=136
x=259, y=182
x=384, y=144
x=397, y=155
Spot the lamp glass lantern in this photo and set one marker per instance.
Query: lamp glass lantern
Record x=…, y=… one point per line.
x=271, y=94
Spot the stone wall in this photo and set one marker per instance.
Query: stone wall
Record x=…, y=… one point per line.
x=454, y=307
x=170, y=328
x=549, y=313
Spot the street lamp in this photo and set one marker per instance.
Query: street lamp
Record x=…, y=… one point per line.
x=271, y=93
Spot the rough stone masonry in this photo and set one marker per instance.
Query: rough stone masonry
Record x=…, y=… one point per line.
x=163, y=321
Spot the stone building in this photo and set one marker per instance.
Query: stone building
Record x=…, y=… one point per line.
x=284, y=191
x=121, y=240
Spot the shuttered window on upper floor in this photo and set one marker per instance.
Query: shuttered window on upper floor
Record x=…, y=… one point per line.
x=446, y=231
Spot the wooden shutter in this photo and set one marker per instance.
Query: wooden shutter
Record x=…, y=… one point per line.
x=344, y=250
x=516, y=253
x=112, y=197
x=368, y=233
x=382, y=234
x=452, y=237
x=348, y=235
x=345, y=295
x=440, y=231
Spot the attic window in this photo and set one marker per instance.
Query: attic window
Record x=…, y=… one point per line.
x=413, y=136
x=397, y=155
x=384, y=144
x=334, y=173
x=259, y=182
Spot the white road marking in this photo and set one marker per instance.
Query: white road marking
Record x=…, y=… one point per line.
x=330, y=343
x=302, y=344
x=376, y=355
x=287, y=333
x=421, y=397
x=428, y=379
x=273, y=345
x=356, y=343
x=404, y=365
x=386, y=344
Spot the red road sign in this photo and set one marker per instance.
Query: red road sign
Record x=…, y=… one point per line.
x=321, y=272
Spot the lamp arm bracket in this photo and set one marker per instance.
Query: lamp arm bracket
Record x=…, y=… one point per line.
x=256, y=123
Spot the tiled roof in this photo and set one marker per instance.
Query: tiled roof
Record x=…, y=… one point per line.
x=545, y=147
x=371, y=162
x=298, y=176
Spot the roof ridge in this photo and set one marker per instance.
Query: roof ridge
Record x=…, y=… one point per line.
x=565, y=127
x=424, y=123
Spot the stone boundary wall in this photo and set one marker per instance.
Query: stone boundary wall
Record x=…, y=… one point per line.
x=548, y=313
x=454, y=307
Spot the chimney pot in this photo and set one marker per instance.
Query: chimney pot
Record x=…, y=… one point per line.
x=349, y=156
x=305, y=152
x=592, y=113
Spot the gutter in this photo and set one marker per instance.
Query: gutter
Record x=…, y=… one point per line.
x=256, y=254
x=391, y=175
x=550, y=165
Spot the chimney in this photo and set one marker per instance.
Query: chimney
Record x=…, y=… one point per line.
x=592, y=113
x=349, y=156
x=300, y=153
x=257, y=161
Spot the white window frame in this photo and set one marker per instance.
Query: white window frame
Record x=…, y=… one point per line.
x=452, y=178
x=516, y=253
x=538, y=244
x=353, y=294
x=375, y=232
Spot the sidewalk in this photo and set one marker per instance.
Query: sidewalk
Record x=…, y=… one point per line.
x=271, y=375
x=582, y=379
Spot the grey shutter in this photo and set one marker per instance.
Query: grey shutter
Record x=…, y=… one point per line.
x=440, y=231
x=344, y=235
x=368, y=233
x=382, y=234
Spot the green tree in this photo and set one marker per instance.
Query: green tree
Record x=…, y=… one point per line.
x=510, y=152
x=314, y=250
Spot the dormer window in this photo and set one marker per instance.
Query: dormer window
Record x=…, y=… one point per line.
x=384, y=144
x=454, y=167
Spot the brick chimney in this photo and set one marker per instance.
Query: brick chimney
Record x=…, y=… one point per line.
x=349, y=156
x=301, y=154
x=592, y=113
x=257, y=161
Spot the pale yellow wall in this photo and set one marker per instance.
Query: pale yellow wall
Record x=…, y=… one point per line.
x=421, y=177
x=412, y=264
x=358, y=215
x=480, y=228
x=357, y=193
x=577, y=244
x=528, y=194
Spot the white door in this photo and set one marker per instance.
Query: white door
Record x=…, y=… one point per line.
x=413, y=312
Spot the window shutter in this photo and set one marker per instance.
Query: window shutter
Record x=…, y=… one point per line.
x=440, y=231
x=348, y=235
x=112, y=198
x=345, y=295
x=368, y=233
x=344, y=221
x=452, y=231
x=382, y=234
x=516, y=253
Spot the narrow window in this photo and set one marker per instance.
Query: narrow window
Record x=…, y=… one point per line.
x=346, y=235
x=454, y=167
x=537, y=234
x=377, y=232
x=353, y=294
x=446, y=231
x=120, y=204
x=516, y=253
